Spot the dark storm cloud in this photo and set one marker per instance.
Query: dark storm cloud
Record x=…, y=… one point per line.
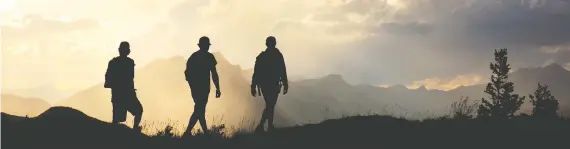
x=450, y=37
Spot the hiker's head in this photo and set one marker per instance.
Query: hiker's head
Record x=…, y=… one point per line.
x=204, y=43
x=270, y=42
x=124, y=48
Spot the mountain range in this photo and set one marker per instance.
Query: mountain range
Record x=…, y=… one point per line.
x=165, y=96
x=47, y=92
x=21, y=106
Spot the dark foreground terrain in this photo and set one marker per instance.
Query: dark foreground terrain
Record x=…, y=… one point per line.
x=61, y=127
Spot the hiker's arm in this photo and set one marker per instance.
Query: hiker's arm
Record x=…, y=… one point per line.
x=215, y=77
x=255, y=70
x=284, y=79
x=108, y=75
x=186, y=73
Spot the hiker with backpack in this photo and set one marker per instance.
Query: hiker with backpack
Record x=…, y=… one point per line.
x=269, y=76
x=198, y=68
x=119, y=77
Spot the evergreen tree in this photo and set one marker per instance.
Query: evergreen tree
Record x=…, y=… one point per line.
x=545, y=105
x=503, y=103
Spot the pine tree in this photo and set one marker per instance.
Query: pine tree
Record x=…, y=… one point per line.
x=545, y=105
x=503, y=103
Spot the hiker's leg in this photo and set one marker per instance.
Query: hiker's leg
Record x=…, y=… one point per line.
x=271, y=111
x=114, y=105
x=119, y=111
x=137, y=121
x=203, y=123
x=194, y=117
x=116, y=113
x=193, y=120
x=202, y=114
x=264, y=117
x=138, y=112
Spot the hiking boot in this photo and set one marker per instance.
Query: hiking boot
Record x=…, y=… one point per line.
x=259, y=129
x=270, y=128
x=187, y=134
x=137, y=128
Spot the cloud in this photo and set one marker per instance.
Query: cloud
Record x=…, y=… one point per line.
x=33, y=27
x=38, y=50
x=450, y=37
x=307, y=32
x=384, y=85
x=551, y=49
x=557, y=54
x=367, y=41
x=441, y=83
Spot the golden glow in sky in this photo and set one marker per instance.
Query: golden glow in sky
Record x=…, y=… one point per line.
x=70, y=41
x=6, y=5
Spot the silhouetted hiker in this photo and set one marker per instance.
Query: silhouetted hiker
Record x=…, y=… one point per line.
x=119, y=78
x=198, y=68
x=269, y=74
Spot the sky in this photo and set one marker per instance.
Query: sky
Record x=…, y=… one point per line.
x=441, y=44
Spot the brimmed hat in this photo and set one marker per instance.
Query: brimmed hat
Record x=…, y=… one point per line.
x=204, y=41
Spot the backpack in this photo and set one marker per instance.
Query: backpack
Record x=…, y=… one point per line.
x=110, y=73
x=268, y=67
x=114, y=66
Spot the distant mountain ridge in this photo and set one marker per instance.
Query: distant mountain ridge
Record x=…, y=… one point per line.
x=21, y=106
x=333, y=92
x=49, y=93
x=166, y=96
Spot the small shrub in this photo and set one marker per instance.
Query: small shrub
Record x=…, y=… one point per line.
x=463, y=109
x=217, y=131
x=168, y=131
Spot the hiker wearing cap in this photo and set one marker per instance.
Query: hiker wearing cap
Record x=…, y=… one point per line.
x=269, y=75
x=198, y=68
x=120, y=79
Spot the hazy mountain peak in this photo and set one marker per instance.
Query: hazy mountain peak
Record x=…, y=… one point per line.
x=550, y=68
x=422, y=88
x=398, y=86
x=334, y=78
x=221, y=58
x=165, y=62
x=21, y=106
x=554, y=67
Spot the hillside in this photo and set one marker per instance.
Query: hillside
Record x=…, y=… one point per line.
x=62, y=127
x=20, y=106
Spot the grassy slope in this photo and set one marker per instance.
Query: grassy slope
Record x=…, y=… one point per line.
x=61, y=127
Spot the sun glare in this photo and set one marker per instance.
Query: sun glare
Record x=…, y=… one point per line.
x=6, y=5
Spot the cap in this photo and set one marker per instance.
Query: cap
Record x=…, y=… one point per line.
x=124, y=45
